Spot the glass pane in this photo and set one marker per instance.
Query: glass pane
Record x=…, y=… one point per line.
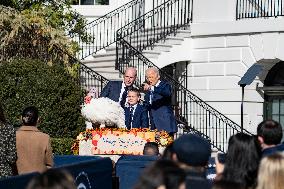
x=275, y=106
x=282, y=120
x=87, y=2
x=275, y=117
x=282, y=106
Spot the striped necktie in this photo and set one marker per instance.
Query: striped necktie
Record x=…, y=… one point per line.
x=131, y=115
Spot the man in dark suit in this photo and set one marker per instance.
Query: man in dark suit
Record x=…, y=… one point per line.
x=158, y=102
x=136, y=115
x=269, y=135
x=117, y=90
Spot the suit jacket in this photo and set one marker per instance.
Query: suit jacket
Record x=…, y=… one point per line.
x=140, y=117
x=273, y=150
x=161, y=113
x=33, y=150
x=112, y=90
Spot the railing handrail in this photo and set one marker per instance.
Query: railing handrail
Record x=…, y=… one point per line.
x=81, y=64
x=101, y=32
x=143, y=17
x=258, y=8
x=176, y=83
x=111, y=13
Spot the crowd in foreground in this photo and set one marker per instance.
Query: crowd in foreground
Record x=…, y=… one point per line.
x=251, y=162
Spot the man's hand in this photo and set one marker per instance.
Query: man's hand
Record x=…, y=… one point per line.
x=146, y=87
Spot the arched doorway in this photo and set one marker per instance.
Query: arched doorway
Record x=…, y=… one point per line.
x=274, y=93
x=179, y=72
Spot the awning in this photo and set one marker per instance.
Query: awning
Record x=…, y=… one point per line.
x=250, y=75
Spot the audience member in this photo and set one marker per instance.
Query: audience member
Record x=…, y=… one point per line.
x=269, y=135
x=226, y=185
x=151, y=149
x=168, y=153
x=52, y=179
x=158, y=102
x=163, y=174
x=242, y=160
x=33, y=147
x=220, y=164
x=117, y=90
x=192, y=152
x=136, y=115
x=271, y=172
x=8, y=153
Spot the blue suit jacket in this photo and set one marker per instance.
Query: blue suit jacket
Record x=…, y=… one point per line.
x=140, y=117
x=161, y=113
x=112, y=90
x=273, y=150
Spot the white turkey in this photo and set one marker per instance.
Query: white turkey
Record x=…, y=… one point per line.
x=104, y=111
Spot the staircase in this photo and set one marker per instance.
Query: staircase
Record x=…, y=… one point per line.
x=104, y=62
x=153, y=34
x=140, y=43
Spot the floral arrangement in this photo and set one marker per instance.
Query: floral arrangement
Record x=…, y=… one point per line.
x=162, y=137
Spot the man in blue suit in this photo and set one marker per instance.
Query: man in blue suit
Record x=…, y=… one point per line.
x=136, y=115
x=158, y=101
x=117, y=90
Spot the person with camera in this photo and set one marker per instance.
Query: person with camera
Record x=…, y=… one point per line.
x=158, y=102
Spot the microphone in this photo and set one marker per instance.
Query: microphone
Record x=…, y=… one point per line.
x=143, y=84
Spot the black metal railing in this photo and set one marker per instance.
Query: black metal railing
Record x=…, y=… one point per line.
x=157, y=24
x=188, y=108
x=102, y=31
x=259, y=8
x=84, y=75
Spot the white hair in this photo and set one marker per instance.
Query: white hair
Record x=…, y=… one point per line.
x=153, y=69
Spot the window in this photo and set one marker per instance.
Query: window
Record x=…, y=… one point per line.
x=275, y=108
x=274, y=93
x=90, y=2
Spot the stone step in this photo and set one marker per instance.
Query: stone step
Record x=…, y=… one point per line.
x=94, y=64
x=184, y=33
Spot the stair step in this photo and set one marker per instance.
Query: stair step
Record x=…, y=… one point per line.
x=112, y=76
x=184, y=33
x=106, y=58
x=94, y=64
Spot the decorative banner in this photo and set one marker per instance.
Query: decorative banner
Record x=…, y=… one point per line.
x=120, y=142
x=116, y=141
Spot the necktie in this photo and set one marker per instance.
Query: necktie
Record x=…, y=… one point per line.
x=151, y=96
x=123, y=98
x=131, y=115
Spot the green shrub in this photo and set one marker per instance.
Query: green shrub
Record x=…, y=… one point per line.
x=62, y=146
x=50, y=88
